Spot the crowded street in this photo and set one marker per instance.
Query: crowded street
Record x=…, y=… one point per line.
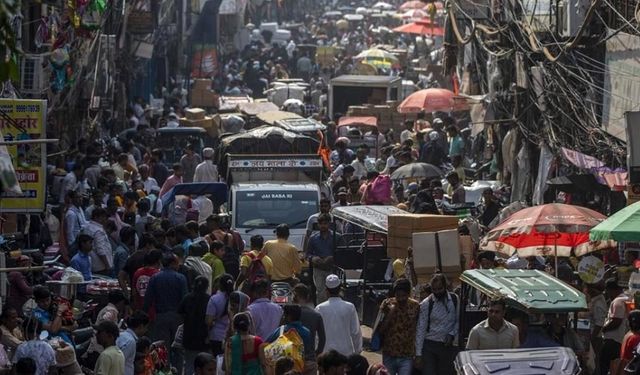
x=319, y=187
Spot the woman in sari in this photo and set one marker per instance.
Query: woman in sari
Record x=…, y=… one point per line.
x=244, y=354
x=238, y=303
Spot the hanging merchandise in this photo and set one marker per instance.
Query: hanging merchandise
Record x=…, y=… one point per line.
x=72, y=12
x=59, y=60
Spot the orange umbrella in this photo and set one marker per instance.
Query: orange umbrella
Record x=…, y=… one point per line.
x=414, y=4
x=432, y=100
x=420, y=28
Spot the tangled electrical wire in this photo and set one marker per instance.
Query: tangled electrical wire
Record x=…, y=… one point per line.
x=567, y=111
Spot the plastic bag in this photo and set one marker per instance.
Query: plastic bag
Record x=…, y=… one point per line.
x=288, y=344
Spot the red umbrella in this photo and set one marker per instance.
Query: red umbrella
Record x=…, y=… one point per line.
x=414, y=4
x=550, y=229
x=432, y=100
x=420, y=28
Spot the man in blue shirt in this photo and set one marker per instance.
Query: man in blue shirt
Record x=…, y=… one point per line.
x=136, y=327
x=292, y=314
x=320, y=252
x=165, y=291
x=81, y=262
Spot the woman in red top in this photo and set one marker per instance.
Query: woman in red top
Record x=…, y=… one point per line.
x=632, y=338
x=244, y=354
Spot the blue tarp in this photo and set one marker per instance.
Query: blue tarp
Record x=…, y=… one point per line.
x=218, y=190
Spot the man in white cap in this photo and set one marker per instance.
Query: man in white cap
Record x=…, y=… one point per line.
x=341, y=323
x=206, y=171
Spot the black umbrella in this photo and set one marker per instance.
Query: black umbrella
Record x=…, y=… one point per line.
x=413, y=170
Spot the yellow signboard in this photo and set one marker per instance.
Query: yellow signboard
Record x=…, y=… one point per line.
x=27, y=121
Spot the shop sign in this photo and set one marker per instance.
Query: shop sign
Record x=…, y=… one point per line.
x=29, y=160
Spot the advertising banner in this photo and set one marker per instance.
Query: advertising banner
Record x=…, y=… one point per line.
x=29, y=160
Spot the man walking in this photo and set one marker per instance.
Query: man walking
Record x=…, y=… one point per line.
x=111, y=360
x=284, y=256
x=206, y=171
x=311, y=319
x=165, y=291
x=126, y=342
x=398, y=327
x=341, y=322
x=494, y=332
x=320, y=255
x=437, y=329
x=102, y=254
x=266, y=315
x=615, y=327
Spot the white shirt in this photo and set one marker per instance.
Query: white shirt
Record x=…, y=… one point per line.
x=70, y=182
x=341, y=326
x=361, y=168
x=617, y=309
x=204, y=207
x=74, y=221
x=150, y=183
x=206, y=172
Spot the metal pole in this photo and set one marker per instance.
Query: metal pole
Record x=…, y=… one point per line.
x=28, y=141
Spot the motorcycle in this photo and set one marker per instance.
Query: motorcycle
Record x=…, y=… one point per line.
x=281, y=293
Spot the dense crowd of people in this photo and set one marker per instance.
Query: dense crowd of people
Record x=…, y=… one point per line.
x=193, y=298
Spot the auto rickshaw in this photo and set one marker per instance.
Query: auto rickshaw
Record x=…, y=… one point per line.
x=355, y=128
x=362, y=253
x=539, y=296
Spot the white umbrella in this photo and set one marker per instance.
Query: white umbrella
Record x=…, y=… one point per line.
x=383, y=6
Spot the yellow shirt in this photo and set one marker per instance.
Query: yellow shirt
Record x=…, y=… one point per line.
x=245, y=261
x=284, y=257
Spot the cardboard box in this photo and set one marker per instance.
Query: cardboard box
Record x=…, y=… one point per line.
x=206, y=123
x=195, y=113
x=402, y=227
x=201, y=85
x=203, y=98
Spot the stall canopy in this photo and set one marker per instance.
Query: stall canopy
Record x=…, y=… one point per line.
x=529, y=290
x=624, y=225
x=371, y=218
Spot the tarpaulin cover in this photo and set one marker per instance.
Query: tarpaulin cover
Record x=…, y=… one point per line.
x=217, y=189
x=358, y=121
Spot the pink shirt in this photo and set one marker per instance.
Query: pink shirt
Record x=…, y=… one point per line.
x=172, y=181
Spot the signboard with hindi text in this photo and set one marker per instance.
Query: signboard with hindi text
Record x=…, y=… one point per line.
x=29, y=160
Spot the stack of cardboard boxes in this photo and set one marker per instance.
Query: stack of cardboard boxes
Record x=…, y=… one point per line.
x=387, y=115
x=196, y=117
x=400, y=237
x=201, y=94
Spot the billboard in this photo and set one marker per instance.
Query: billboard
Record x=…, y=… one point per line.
x=29, y=160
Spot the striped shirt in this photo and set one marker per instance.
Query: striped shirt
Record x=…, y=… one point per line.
x=444, y=321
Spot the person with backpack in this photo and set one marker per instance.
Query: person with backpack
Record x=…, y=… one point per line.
x=233, y=245
x=437, y=329
x=254, y=265
x=292, y=327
